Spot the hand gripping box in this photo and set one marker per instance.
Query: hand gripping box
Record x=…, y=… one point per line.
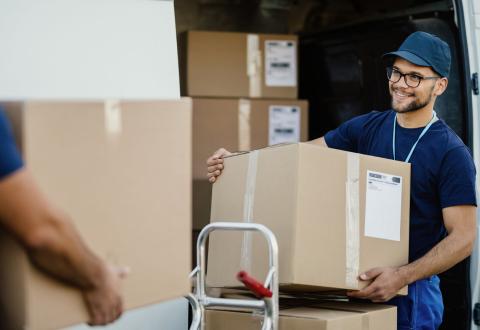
x=335, y=215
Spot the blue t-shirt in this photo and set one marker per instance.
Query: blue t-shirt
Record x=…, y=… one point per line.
x=10, y=159
x=442, y=172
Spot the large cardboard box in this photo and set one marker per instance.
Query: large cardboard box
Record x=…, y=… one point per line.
x=239, y=124
x=231, y=64
x=331, y=316
x=335, y=214
x=122, y=172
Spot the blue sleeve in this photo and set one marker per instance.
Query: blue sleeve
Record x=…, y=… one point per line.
x=345, y=137
x=10, y=160
x=457, y=178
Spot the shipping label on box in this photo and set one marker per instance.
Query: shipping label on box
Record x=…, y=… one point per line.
x=238, y=65
x=284, y=124
x=280, y=63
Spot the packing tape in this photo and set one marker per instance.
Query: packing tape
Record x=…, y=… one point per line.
x=113, y=117
x=352, y=220
x=248, y=204
x=254, y=65
x=244, y=108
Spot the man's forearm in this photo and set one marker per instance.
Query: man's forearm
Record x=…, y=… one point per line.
x=448, y=252
x=47, y=234
x=60, y=252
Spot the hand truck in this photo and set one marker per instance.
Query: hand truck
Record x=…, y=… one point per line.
x=268, y=292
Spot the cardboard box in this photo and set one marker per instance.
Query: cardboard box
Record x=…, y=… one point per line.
x=122, y=172
x=230, y=64
x=331, y=316
x=239, y=124
x=324, y=207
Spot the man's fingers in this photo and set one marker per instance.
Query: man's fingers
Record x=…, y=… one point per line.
x=365, y=293
x=119, y=309
x=371, y=274
x=213, y=174
x=215, y=164
x=215, y=168
x=212, y=161
x=222, y=152
x=96, y=319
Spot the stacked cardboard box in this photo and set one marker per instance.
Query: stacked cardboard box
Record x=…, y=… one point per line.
x=321, y=316
x=229, y=64
x=245, y=89
x=121, y=170
x=239, y=124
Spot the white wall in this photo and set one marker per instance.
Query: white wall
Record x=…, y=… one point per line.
x=88, y=49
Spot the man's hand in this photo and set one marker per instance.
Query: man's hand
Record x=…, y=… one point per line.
x=215, y=164
x=386, y=282
x=104, y=301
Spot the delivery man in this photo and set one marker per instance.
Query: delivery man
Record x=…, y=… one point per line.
x=443, y=199
x=50, y=239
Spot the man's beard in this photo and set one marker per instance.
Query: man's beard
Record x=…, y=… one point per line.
x=412, y=106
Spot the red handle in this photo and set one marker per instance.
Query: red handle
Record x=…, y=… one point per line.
x=253, y=285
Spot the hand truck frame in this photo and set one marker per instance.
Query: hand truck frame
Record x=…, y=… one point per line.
x=199, y=300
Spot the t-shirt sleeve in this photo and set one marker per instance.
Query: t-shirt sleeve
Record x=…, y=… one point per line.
x=10, y=159
x=345, y=137
x=457, y=178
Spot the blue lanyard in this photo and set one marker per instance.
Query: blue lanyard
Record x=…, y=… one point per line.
x=430, y=123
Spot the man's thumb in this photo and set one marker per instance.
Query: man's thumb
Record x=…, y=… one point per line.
x=371, y=274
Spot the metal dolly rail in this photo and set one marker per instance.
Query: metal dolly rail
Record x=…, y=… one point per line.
x=268, y=292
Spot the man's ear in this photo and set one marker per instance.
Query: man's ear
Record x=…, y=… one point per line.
x=441, y=86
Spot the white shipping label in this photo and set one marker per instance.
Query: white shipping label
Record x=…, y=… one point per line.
x=383, y=209
x=284, y=124
x=280, y=63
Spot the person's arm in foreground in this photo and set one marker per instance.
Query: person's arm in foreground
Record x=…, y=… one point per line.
x=55, y=247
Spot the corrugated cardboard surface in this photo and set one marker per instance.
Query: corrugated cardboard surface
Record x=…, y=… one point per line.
x=379, y=317
x=216, y=65
x=322, y=317
x=127, y=192
x=216, y=125
x=300, y=194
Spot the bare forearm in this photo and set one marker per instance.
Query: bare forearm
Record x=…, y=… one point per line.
x=47, y=234
x=450, y=251
x=61, y=253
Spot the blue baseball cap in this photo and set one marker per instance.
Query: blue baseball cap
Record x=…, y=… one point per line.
x=425, y=49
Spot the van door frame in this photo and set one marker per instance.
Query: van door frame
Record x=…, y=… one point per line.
x=469, y=37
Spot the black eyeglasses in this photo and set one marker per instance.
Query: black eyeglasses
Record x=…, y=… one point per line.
x=411, y=79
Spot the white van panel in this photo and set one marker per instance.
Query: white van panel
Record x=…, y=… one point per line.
x=88, y=49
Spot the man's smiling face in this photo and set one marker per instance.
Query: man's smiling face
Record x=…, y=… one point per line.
x=406, y=98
